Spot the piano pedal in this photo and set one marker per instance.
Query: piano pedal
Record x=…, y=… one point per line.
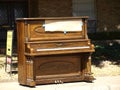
x=58, y=82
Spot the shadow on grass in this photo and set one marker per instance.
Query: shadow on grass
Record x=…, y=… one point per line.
x=106, y=50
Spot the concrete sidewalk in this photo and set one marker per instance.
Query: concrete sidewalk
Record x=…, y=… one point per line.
x=101, y=83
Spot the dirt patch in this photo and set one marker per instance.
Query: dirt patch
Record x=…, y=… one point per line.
x=106, y=68
x=5, y=76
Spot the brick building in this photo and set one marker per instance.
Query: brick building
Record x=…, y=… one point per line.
x=108, y=14
x=105, y=12
x=104, y=15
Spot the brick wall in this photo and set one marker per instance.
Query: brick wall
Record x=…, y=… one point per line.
x=33, y=8
x=50, y=8
x=108, y=15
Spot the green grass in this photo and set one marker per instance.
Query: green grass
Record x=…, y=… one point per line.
x=106, y=50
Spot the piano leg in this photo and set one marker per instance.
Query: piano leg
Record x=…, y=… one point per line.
x=86, y=66
x=30, y=74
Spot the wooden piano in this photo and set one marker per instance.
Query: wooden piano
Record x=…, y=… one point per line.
x=53, y=50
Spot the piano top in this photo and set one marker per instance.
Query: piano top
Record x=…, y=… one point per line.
x=52, y=18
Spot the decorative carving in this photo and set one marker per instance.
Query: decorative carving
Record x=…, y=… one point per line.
x=30, y=75
x=39, y=29
x=58, y=67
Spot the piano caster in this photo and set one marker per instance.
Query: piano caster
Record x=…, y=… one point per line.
x=88, y=77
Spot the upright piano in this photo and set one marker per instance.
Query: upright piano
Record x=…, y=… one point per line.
x=53, y=50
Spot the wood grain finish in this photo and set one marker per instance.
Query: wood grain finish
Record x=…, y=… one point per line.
x=52, y=57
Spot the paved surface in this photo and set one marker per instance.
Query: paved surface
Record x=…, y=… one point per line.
x=101, y=83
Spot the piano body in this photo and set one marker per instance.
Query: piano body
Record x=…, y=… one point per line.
x=53, y=50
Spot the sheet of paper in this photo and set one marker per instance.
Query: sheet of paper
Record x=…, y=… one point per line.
x=63, y=25
x=9, y=42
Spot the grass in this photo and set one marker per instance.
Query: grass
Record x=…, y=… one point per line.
x=106, y=51
x=106, y=59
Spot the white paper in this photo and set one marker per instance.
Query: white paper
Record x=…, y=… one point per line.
x=63, y=25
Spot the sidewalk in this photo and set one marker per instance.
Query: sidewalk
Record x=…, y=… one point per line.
x=101, y=83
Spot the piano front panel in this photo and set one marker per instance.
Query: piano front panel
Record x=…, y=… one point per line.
x=57, y=67
x=36, y=31
x=57, y=64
